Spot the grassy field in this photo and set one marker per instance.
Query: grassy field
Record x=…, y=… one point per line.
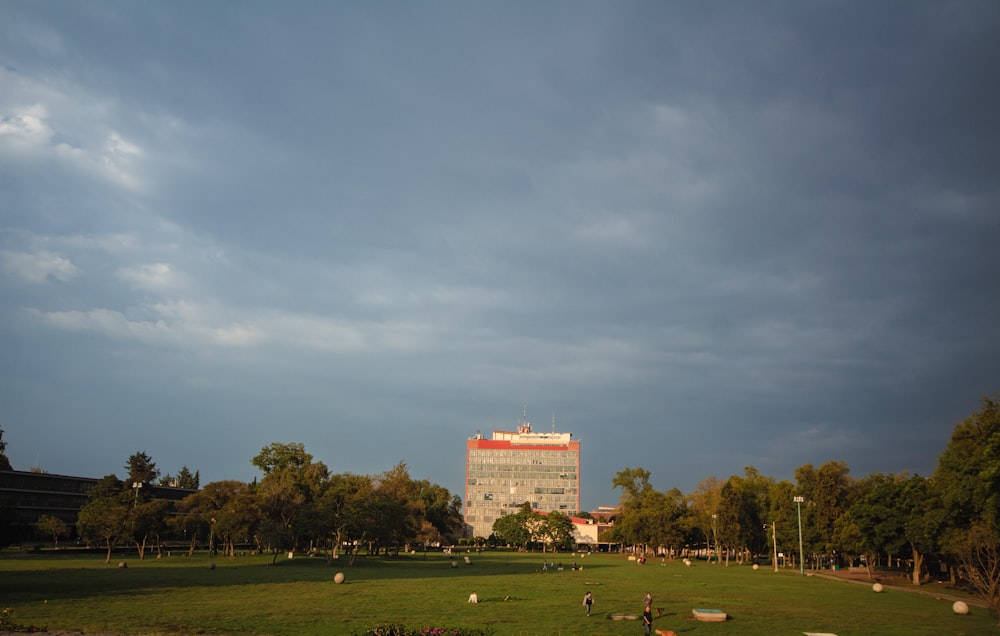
x=184, y=595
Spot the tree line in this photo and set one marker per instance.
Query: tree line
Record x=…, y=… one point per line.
x=298, y=504
x=950, y=518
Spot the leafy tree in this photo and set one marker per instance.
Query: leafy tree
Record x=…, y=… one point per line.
x=235, y=515
x=147, y=521
x=828, y=493
x=194, y=519
x=978, y=553
x=395, y=508
x=291, y=480
x=53, y=527
x=513, y=529
x=968, y=471
x=557, y=529
x=967, y=479
x=184, y=479
x=879, y=517
x=187, y=480
x=743, y=509
x=4, y=462
x=440, y=509
x=339, y=515
x=637, y=496
x=276, y=457
x=924, y=522
x=784, y=515
x=703, y=505
x=141, y=469
x=632, y=482
x=102, y=519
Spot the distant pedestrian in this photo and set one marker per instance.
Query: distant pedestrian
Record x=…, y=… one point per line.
x=588, y=601
x=648, y=600
x=647, y=620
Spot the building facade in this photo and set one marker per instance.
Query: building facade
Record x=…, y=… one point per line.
x=514, y=467
x=25, y=496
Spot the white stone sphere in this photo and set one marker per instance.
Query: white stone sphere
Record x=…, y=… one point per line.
x=877, y=587
x=338, y=578
x=960, y=607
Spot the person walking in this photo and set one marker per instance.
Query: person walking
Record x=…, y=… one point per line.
x=588, y=601
x=647, y=619
x=648, y=600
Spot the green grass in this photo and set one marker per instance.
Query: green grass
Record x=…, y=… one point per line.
x=182, y=595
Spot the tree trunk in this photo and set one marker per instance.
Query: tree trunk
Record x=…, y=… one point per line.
x=108, y=558
x=918, y=565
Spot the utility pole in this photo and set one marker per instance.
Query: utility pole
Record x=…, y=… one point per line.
x=802, y=563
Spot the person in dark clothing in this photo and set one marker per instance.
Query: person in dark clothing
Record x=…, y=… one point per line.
x=647, y=620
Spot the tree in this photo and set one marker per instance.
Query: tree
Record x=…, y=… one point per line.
x=632, y=482
x=184, y=479
x=53, y=527
x=4, y=462
x=338, y=516
x=828, y=492
x=276, y=457
x=440, y=513
x=102, y=519
x=743, y=509
x=193, y=521
x=704, y=504
x=879, y=517
x=968, y=471
x=967, y=479
x=291, y=480
x=395, y=508
x=557, y=530
x=978, y=553
x=147, y=521
x=514, y=529
x=141, y=469
x=924, y=522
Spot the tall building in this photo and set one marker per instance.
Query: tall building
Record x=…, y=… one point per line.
x=519, y=466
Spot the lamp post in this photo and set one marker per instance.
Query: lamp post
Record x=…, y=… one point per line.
x=802, y=564
x=136, y=485
x=715, y=537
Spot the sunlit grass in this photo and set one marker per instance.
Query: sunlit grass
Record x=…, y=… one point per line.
x=248, y=595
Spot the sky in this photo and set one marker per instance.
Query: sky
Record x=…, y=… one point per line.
x=697, y=236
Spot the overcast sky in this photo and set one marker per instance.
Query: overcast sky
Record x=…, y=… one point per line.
x=700, y=236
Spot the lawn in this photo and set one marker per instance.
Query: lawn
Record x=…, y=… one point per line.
x=248, y=595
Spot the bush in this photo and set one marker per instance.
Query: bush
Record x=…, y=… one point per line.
x=7, y=623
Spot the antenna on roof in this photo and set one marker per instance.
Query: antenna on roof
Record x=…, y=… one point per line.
x=553, y=421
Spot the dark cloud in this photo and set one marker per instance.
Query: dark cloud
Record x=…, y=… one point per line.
x=700, y=237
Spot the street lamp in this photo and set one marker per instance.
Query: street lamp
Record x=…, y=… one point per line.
x=802, y=564
x=715, y=537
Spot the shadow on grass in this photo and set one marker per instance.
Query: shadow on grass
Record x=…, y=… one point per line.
x=73, y=578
